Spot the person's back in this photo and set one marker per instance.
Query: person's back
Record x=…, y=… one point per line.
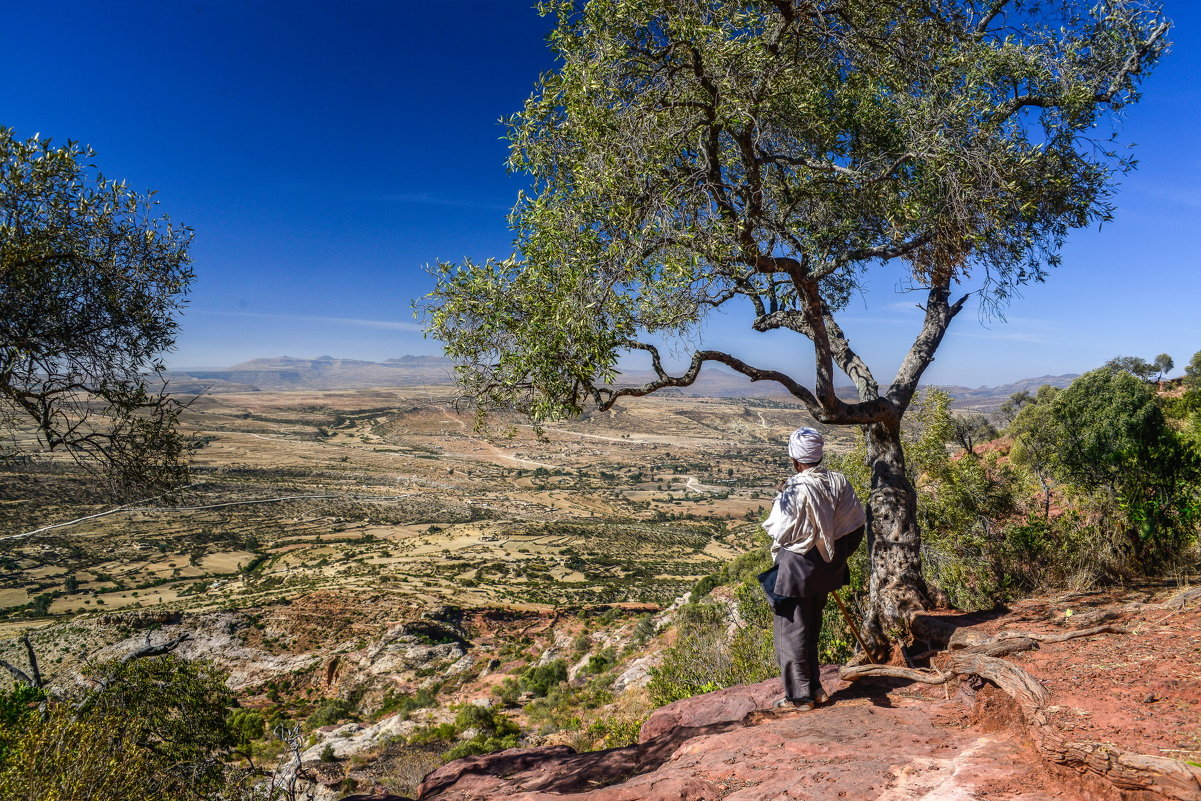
x=816, y=523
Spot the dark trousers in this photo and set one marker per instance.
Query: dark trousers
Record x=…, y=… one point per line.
x=798, y=622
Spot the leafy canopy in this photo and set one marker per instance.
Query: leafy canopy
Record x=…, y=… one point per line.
x=90, y=281
x=685, y=155
x=1106, y=436
x=150, y=728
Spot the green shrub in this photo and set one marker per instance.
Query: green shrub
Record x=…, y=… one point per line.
x=16, y=707
x=494, y=732
x=706, y=657
x=404, y=703
x=247, y=724
x=156, y=728
x=329, y=712
x=1105, y=446
x=540, y=679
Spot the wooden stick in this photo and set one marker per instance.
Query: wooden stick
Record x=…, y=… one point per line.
x=846, y=613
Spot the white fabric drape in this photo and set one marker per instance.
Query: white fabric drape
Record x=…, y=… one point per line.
x=815, y=508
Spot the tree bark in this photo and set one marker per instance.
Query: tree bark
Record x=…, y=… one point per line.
x=896, y=588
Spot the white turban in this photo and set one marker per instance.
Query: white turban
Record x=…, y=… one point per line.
x=805, y=446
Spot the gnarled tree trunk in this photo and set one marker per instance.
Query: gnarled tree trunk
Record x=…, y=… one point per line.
x=896, y=587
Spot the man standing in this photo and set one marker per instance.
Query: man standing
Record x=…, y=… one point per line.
x=816, y=523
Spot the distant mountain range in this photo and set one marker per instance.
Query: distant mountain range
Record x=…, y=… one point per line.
x=329, y=373
x=324, y=372
x=721, y=382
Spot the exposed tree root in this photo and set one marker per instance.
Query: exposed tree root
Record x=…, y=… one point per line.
x=1124, y=769
x=1182, y=599
x=1012, y=642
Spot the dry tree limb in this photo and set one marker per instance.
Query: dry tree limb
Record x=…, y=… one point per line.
x=1017, y=683
x=977, y=642
x=155, y=650
x=1126, y=770
x=856, y=672
x=1181, y=599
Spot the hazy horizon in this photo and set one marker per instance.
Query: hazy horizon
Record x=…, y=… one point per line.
x=324, y=156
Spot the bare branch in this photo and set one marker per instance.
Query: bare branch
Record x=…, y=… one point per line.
x=939, y=313
x=155, y=650
x=693, y=371
x=17, y=673
x=33, y=660
x=842, y=412
x=881, y=252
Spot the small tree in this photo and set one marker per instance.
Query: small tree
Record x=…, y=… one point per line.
x=1192, y=373
x=1106, y=437
x=1163, y=365
x=687, y=156
x=1135, y=365
x=970, y=429
x=1009, y=409
x=90, y=282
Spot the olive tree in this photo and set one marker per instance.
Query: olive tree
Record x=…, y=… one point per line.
x=771, y=156
x=90, y=281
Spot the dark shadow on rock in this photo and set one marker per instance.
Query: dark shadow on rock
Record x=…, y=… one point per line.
x=934, y=631
x=873, y=688
x=559, y=769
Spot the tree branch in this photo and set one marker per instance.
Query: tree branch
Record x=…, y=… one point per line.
x=881, y=252
x=17, y=673
x=844, y=356
x=1133, y=64
x=857, y=413
x=982, y=26
x=939, y=313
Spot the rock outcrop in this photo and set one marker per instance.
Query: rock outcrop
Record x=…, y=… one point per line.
x=1106, y=711
x=731, y=744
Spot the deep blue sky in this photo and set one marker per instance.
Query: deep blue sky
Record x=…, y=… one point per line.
x=325, y=152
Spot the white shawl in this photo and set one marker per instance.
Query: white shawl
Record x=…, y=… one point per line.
x=815, y=508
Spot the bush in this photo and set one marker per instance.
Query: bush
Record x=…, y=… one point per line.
x=404, y=703
x=541, y=678
x=16, y=707
x=494, y=732
x=330, y=711
x=156, y=728
x=1104, y=445
x=708, y=656
x=247, y=725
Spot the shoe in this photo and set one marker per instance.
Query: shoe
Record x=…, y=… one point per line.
x=821, y=698
x=800, y=704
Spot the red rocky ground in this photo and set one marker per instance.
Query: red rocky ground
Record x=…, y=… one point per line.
x=1116, y=699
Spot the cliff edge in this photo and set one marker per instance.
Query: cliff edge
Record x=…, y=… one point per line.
x=1111, y=712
